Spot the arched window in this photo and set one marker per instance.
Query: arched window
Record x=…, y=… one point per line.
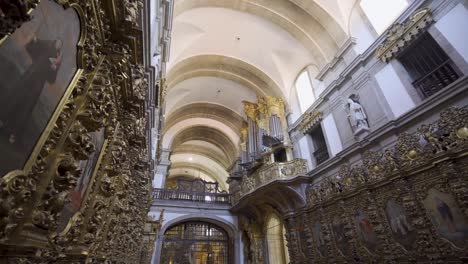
x=382, y=13
x=277, y=249
x=304, y=90
x=195, y=242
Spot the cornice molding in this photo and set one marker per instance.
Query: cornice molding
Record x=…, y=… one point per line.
x=309, y=121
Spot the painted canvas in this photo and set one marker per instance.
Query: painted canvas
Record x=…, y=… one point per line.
x=37, y=63
x=341, y=240
x=303, y=239
x=319, y=239
x=87, y=168
x=365, y=230
x=447, y=217
x=402, y=231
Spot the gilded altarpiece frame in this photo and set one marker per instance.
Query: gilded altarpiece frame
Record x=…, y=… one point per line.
x=107, y=93
x=408, y=203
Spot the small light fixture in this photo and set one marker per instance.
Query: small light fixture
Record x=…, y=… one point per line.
x=190, y=158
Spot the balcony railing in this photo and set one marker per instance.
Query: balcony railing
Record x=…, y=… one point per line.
x=321, y=155
x=437, y=79
x=178, y=195
x=269, y=173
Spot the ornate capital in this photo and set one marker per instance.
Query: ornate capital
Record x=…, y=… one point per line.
x=275, y=106
x=250, y=109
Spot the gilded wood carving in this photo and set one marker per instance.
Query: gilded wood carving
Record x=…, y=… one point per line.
x=404, y=204
x=83, y=194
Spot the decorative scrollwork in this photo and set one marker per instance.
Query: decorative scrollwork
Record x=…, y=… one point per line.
x=400, y=35
x=387, y=208
x=273, y=172
x=109, y=94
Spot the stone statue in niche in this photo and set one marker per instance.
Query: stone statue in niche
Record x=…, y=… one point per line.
x=357, y=115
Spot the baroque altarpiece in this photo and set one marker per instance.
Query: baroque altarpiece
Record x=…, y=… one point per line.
x=83, y=191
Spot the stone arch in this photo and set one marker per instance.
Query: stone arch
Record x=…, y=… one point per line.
x=302, y=19
x=225, y=140
x=224, y=67
x=229, y=227
x=205, y=110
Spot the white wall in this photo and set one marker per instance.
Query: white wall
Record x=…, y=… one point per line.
x=304, y=90
x=159, y=180
x=382, y=13
x=305, y=150
x=294, y=107
x=394, y=91
x=454, y=28
x=359, y=29
x=155, y=21
x=331, y=135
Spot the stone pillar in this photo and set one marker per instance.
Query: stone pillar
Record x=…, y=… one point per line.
x=292, y=238
x=162, y=169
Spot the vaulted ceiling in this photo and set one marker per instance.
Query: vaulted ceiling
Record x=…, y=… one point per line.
x=227, y=51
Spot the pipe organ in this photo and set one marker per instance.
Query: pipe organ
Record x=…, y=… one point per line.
x=265, y=136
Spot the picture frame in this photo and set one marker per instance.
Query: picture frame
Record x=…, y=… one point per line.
x=31, y=157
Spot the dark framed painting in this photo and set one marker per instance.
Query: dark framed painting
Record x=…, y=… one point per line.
x=37, y=64
x=87, y=171
x=402, y=230
x=365, y=230
x=319, y=238
x=303, y=241
x=447, y=217
x=339, y=233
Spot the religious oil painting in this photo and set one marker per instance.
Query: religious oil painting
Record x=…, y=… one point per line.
x=402, y=230
x=339, y=233
x=365, y=230
x=319, y=238
x=87, y=168
x=303, y=244
x=447, y=217
x=37, y=63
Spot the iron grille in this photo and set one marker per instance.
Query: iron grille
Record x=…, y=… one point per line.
x=430, y=68
x=195, y=243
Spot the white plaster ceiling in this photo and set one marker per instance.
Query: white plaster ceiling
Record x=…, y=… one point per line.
x=339, y=9
x=227, y=51
x=172, y=132
x=201, y=143
x=240, y=35
x=214, y=169
x=208, y=90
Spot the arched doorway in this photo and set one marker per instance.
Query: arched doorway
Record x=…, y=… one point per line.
x=195, y=242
